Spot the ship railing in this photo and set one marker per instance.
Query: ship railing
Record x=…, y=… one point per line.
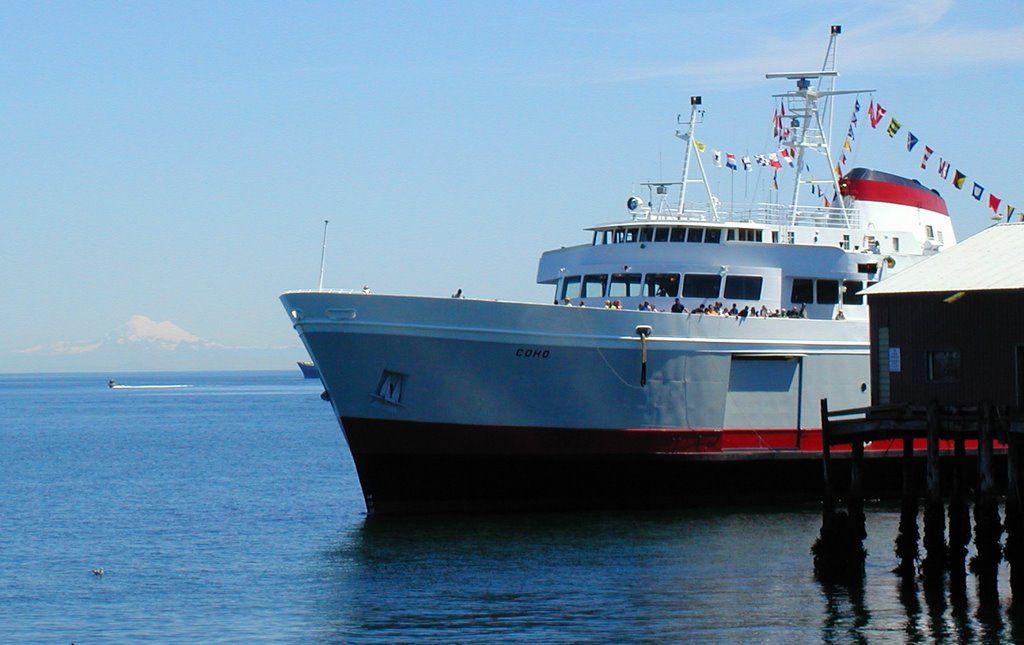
x=765, y=214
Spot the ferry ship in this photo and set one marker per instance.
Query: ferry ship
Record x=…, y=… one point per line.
x=309, y=370
x=609, y=395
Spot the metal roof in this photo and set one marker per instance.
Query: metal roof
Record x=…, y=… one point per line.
x=991, y=259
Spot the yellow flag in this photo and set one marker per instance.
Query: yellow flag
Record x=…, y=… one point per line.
x=698, y=145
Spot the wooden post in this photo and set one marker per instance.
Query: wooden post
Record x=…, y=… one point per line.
x=906, y=539
x=828, y=499
x=959, y=513
x=987, y=526
x=855, y=501
x=835, y=558
x=934, y=517
x=1014, y=549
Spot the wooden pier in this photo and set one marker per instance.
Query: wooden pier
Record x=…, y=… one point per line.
x=933, y=433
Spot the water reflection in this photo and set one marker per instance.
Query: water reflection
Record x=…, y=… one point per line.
x=742, y=575
x=846, y=616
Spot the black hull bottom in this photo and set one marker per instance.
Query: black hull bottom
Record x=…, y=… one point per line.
x=435, y=484
x=430, y=468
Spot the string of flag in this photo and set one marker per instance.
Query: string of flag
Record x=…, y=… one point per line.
x=785, y=156
x=1000, y=208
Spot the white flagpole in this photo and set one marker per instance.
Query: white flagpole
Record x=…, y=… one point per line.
x=323, y=256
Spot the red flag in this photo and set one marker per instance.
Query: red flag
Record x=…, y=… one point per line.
x=924, y=158
x=993, y=203
x=877, y=118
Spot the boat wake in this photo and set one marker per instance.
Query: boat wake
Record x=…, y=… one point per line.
x=117, y=386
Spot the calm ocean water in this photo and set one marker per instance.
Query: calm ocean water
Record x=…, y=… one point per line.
x=230, y=511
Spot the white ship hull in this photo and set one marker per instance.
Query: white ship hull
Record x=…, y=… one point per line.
x=463, y=403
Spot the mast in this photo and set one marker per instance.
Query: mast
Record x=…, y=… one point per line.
x=323, y=256
x=809, y=133
x=691, y=143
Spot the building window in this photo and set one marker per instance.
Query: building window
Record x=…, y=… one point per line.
x=743, y=287
x=700, y=285
x=944, y=366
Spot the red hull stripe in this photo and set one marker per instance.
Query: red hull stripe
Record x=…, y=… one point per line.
x=379, y=437
x=881, y=191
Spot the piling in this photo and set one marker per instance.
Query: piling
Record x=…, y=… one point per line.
x=839, y=550
x=959, y=514
x=855, y=500
x=933, y=565
x=839, y=554
x=906, y=539
x=988, y=528
x=1013, y=551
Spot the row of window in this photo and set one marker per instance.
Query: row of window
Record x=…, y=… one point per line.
x=826, y=292
x=662, y=285
x=707, y=285
x=675, y=234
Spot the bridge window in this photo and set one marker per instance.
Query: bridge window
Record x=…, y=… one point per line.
x=601, y=237
x=661, y=234
x=646, y=234
x=678, y=234
x=624, y=285
x=571, y=287
x=749, y=235
x=661, y=285
x=701, y=285
x=713, y=235
x=743, y=287
x=850, y=292
x=593, y=285
x=695, y=235
x=803, y=291
x=828, y=292
x=626, y=235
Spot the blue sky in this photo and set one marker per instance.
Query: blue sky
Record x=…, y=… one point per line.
x=176, y=160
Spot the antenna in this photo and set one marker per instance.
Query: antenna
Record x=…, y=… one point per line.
x=323, y=256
